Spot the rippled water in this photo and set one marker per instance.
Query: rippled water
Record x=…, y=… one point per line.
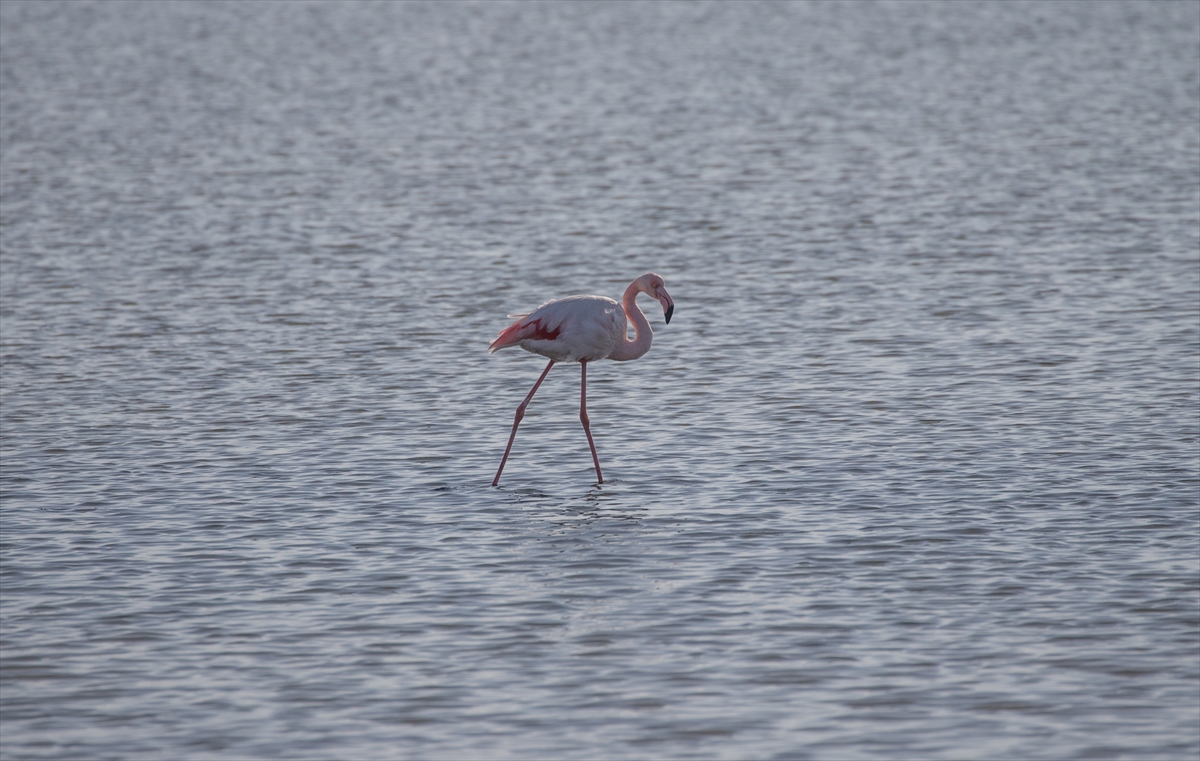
x=913, y=473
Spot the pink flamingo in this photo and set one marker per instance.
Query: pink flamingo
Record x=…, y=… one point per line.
x=582, y=329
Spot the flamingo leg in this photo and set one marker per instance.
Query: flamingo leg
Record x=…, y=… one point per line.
x=521, y=414
x=583, y=418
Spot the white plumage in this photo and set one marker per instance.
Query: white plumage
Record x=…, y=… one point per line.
x=572, y=329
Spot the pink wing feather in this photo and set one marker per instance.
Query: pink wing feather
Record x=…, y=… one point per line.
x=523, y=330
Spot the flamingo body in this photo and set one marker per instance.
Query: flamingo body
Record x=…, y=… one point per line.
x=583, y=329
x=572, y=329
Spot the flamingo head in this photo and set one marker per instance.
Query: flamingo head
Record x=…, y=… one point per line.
x=653, y=285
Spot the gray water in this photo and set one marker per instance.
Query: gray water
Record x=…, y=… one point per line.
x=914, y=472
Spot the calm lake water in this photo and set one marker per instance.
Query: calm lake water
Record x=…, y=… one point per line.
x=914, y=472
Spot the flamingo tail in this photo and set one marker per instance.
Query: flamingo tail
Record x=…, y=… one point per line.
x=522, y=330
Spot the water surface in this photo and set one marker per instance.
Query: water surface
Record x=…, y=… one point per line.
x=913, y=473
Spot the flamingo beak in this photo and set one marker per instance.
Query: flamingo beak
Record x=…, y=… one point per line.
x=668, y=304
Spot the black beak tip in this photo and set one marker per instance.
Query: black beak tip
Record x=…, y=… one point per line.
x=670, y=311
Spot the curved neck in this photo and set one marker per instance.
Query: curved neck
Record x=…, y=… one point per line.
x=642, y=335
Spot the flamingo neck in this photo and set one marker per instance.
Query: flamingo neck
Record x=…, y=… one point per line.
x=642, y=334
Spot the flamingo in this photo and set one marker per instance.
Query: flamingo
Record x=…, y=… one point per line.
x=583, y=329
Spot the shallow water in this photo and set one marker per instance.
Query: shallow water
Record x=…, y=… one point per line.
x=913, y=473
